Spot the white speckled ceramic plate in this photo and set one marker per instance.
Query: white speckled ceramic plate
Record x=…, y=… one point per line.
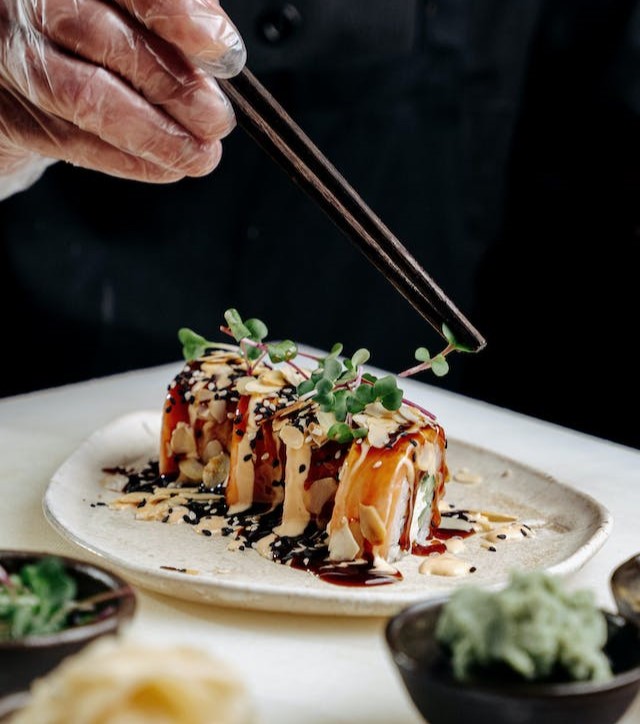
x=570, y=527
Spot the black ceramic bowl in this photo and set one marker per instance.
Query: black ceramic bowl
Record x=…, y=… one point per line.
x=625, y=586
x=440, y=699
x=24, y=660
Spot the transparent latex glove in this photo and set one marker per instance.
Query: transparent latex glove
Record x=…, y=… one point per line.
x=108, y=86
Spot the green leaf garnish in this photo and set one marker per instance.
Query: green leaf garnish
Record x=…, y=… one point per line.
x=257, y=329
x=253, y=353
x=282, y=351
x=340, y=432
x=353, y=404
x=439, y=365
x=306, y=387
x=331, y=369
x=385, y=385
x=360, y=357
x=451, y=339
x=393, y=400
x=238, y=328
x=338, y=386
x=193, y=344
x=340, y=404
x=365, y=394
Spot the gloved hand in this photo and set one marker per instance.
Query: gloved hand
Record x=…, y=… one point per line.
x=115, y=88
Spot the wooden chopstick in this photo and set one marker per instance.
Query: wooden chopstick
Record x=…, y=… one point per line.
x=262, y=117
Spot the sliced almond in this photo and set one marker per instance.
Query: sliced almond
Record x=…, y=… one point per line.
x=372, y=525
x=498, y=517
x=190, y=469
x=241, y=384
x=292, y=437
x=342, y=545
x=204, y=395
x=211, y=450
x=216, y=470
x=321, y=491
x=183, y=441
x=218, y=410
x=464, y=475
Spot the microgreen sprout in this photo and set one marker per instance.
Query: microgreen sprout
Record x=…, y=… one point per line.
x=437, y=364
x=338, y=384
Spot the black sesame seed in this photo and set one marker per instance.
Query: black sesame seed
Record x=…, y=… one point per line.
x=473, y=569
x=168, y=409
x=142, y=503
x=206, y=532
x=414, y=443
x=492, y=549
x=248, y=457
x=240, y=433
x=302, y=468
x=501, y=536
x=165, y=519
x=275, y=463
x=226, y=531
x=186, y=518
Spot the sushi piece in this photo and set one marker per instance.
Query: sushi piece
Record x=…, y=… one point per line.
x=197, y=420
x=216, y=428
x=256, y=457
x=390, y=484
x=312, y=467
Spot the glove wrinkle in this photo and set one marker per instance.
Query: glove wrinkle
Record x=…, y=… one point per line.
x=116, y=88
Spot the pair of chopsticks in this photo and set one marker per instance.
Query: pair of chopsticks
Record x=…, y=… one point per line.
x=262, y=117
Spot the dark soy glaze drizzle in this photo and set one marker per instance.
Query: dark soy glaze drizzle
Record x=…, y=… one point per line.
x=307, y=552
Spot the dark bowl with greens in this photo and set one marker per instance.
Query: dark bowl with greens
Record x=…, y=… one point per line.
x=50, y=607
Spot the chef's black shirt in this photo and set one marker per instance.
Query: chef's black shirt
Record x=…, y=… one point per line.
x=497, y=139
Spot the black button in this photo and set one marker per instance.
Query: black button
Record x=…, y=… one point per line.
x=276, y=26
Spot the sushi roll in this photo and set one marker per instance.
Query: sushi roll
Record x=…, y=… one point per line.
x=245, y=430
x=197, y=420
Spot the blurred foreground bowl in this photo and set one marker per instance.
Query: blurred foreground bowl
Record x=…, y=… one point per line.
x=427, y=675
x=23, y=660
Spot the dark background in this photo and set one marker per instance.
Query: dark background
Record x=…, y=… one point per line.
x=498, y=140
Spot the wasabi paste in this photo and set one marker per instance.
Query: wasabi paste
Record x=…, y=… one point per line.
x=533, y=626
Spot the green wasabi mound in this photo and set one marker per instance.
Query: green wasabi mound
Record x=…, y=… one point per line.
x=533, y=626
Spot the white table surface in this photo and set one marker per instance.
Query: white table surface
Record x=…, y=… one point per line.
x=317, y=670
